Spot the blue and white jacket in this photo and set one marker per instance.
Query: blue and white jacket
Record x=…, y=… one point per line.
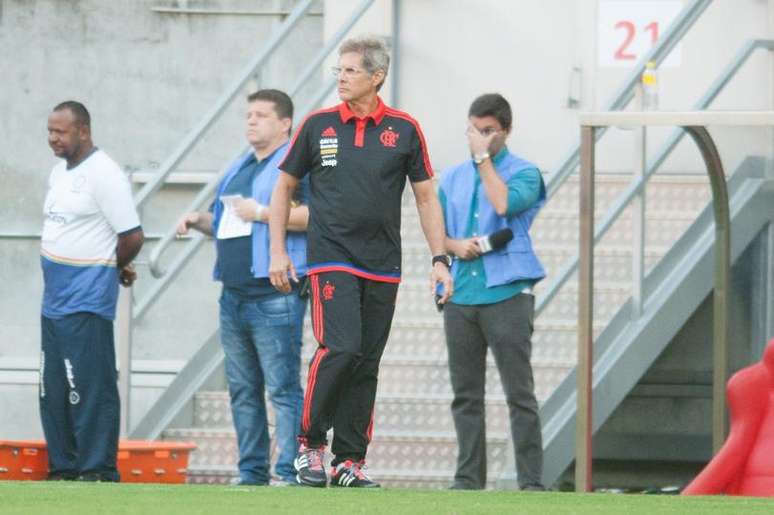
x=517, y=260
x=263, y=185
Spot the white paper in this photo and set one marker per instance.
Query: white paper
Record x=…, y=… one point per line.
x=231, y=226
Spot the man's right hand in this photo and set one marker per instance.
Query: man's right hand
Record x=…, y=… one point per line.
x=185, y=223
x=127, y=275
x=465, y=249
x=280, y=266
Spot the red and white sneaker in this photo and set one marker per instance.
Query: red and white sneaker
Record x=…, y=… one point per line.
x=351, y=474
x=309, y=465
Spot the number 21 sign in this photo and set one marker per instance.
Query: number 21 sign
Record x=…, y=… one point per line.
x=627, y=29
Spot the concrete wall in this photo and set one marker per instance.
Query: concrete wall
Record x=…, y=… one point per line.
x=147, y=70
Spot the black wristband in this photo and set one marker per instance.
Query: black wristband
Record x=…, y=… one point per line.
x=442, y=258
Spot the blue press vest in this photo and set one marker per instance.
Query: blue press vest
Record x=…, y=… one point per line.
x=517, y=260
x=263, y=185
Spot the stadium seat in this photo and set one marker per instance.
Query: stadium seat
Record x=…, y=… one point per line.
x=744, y=465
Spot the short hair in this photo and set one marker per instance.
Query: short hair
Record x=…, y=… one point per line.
x=374, y=52
x=283, y=105
x=494, y=105
x=79, y=111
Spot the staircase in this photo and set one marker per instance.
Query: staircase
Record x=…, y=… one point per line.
x=414, y=441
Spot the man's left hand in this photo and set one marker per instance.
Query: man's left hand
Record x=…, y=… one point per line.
x=127, y=276
x=441, y=275
x=248, y=209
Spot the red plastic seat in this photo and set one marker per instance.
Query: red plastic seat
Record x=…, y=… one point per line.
x=745, y=463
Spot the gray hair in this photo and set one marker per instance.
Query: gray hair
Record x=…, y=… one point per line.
x=374, y=52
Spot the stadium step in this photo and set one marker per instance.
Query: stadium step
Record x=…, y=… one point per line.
x=392, y=451
x=414, y=443
x=612, y=262
x=423, y=413
x=415, y=301
x=401, y=478
x=211, y=474
x=554, y=341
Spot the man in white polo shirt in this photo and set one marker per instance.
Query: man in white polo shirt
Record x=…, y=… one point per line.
x=90, y=235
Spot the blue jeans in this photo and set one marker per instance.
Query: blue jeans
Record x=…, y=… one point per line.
x=262, y=343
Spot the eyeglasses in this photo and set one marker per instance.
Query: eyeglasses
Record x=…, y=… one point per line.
x=487, y=131
x=348, y=71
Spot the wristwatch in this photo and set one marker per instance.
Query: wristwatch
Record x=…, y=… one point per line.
x=442, y=258
x=479, y=158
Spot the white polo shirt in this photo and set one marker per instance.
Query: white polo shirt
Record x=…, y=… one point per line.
x=86, y=208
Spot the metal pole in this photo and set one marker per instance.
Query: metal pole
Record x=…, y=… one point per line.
x=638, y=222
x=583, y=432
x=395, y=65
x=124, y=365
x=722, y=280
x=769, y=263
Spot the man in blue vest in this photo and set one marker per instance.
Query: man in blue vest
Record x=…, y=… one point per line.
x=492, y=305
x=260, y=327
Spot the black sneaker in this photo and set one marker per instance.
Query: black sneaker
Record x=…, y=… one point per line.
x=351, y=474
x=62, y=476
x=96, y=477
x=309, y=465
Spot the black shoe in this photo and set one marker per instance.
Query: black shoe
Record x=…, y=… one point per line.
x=351, y=474
x=463, y=486
x=536, y=487
x=238, y=481
x=62, y=476
x=97, y=478
x=309, y=465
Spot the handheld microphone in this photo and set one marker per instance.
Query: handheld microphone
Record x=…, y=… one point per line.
x=494, y=241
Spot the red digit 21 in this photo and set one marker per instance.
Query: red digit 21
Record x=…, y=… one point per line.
x=631, y=31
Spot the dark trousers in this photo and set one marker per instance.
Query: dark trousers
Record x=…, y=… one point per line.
x=505, y=327
x=79, y=405
x=351, y=319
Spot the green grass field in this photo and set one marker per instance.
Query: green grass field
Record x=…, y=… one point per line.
x=90, y=498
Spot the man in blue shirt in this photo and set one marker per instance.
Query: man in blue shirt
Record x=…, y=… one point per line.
x=260, y=328
x=492, y=305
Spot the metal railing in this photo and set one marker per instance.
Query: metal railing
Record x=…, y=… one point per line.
x=665, y=44
x=660, y=51
x=623, y=96
x=207, y=192
x=207, y=357
x=694, y=123
x=636, y=186
x=165, y=277
x=635, y=189
x=211, y=116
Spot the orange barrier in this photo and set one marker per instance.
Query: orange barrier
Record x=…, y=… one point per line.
x=138, y=461
x=23, y=459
